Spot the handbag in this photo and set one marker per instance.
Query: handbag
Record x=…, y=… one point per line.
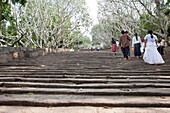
x=132, y=48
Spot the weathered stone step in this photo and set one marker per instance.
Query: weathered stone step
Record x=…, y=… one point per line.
x=99, y=55
x=30, y=70
x=92, y=86
x=82, y=109
x=18, y=64
x=56, y=69
x=88, y=56
x=76, y=100
x=92, y=77
x=80, y=73
x=106, y=92
x=80, y=62
x=84, y=79
x=35, y=69
x=80, y=81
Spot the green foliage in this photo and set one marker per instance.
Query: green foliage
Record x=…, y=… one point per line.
x=57, y=25
x=6, y=12
x=6, y=9
x=145, y=25
x=167, y=12
x=29, y=94
x=7, y=17
x=166, y=9
x=86, y=40
x=23, y=2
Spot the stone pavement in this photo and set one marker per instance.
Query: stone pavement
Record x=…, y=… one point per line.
x=86, y=109
x=84, y=81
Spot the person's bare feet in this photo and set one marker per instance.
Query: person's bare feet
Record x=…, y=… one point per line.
x=129, y=58
x=158, y=63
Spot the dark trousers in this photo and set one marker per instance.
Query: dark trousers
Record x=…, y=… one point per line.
x=129, y=51
x=125, y=51
x=160, y=49
x=137, y=51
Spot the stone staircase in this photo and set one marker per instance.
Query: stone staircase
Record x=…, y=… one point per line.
x=84, y=78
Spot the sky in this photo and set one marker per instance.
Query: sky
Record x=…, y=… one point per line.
x=92, y=4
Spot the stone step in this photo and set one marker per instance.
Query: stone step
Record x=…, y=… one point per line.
x=92, y=86
x=15, y=69
x=82, y=109
x=80, y=100
x=81, y=91
x=46, y=68
x=84, y=79
x=81, y=72
x=80, y=81
x=92, y=76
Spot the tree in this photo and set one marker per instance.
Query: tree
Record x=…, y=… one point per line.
x=4, y=7
x=135, y=15
x=49, y=23
x=111, y=22
x=5, y=18
x=101, y=34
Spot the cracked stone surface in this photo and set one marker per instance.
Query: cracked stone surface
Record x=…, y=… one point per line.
x=84, y=82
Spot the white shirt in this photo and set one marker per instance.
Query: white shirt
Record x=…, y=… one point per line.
x=162, y=43
x=117, y=43
x=150, y=41
x=134, y=41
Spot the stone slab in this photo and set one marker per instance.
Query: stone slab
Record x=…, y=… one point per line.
x=92, y=86
x=81, y=91
x=17, y=109
x=96, y=101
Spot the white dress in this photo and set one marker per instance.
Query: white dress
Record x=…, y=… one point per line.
x=151, y=54
x=142, y=47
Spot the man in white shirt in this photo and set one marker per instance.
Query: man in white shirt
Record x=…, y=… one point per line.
x=162, y=46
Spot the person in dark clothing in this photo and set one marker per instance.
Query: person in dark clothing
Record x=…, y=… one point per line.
x=124, y=42
x=136, y=43
x=161, y=47
x=126, y=33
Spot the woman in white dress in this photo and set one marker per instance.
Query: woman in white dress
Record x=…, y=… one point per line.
x=151, y=54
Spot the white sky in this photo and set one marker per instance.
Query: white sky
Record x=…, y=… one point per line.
x=92, y=4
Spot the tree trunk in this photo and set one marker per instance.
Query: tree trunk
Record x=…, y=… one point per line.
x=18, y=41
x=21, y=43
